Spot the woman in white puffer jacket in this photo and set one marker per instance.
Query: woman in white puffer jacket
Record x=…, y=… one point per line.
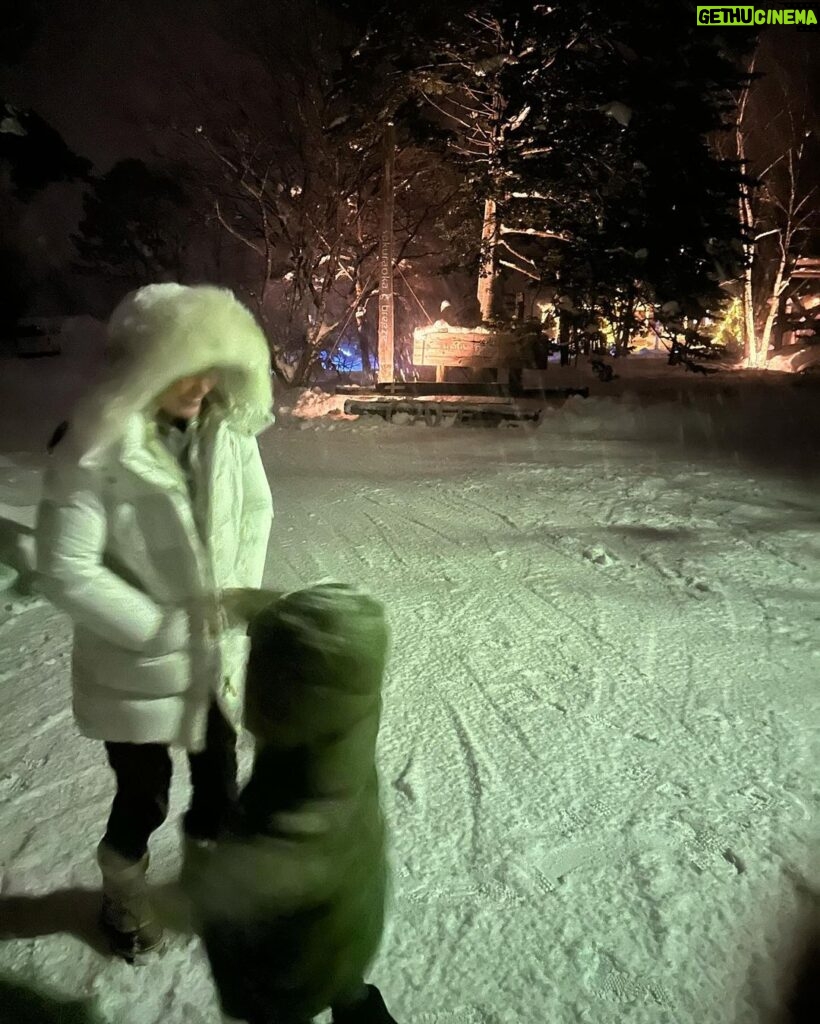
x=155, y=503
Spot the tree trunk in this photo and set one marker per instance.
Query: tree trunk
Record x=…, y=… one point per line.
x=386, y=346
x=780, y=322
x=622, y=345
x=749, y=330
x=488, y=268
x=746, y=217
x=302, y=367
x=313, y=344
x=771, y=313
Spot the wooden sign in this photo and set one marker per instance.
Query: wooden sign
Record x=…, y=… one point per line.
x=466, y=348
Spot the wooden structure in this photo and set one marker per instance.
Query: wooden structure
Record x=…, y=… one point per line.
x=386, y=319
x=437, y=414
x=411, y=401
x=799, y=306
x=442, y=346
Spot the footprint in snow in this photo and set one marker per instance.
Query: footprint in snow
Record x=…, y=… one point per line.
x=599, y=555
x=460, y=1015
x=611, y=983
x=620, y=987
x=698, y=587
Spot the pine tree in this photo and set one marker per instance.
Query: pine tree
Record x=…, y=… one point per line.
x=581, y=130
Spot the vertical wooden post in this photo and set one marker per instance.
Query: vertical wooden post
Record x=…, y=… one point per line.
x=488, y=275
x=386, y=356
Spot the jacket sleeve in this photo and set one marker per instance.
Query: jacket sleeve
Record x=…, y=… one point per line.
x=238, y=881
x=70, y=540
x=255, y=518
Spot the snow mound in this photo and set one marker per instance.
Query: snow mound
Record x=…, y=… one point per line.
x=729, y=416
x=795, y=359
x=310, y=404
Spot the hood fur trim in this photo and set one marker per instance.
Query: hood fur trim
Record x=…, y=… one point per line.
x=162, y=332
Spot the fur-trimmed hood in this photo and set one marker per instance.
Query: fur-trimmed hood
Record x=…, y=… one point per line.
x=162, y=332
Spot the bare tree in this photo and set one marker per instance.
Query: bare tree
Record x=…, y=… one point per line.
x=775, y=140
x=464, y=87
x=300, y=204
x=294, y=182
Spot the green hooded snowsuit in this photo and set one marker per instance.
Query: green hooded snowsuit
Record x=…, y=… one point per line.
x=291, y=904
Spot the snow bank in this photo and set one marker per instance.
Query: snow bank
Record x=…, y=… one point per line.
x=762, y=416
x=795, y=359
x=774, y=424
x=309, y=404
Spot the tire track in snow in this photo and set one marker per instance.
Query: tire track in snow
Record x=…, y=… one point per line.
x=509, y=721
x=430, y=529
x=385, y=532
x=469, y=509
x=461, y=531
x=473, y=519
x=57, y=719
x=466, y=749
x=463, y=1014
x=604, y=656
x=401, y=782
x=617, y=711
x=458, y=559
x=678, y=659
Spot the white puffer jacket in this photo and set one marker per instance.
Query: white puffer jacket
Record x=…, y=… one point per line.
x=117, y=542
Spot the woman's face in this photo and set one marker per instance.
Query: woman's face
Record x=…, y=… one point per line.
x=183, y=399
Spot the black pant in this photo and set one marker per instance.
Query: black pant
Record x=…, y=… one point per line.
x=143, y=772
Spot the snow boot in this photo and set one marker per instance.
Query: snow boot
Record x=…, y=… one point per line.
x=371, y=1010
x=127, y=917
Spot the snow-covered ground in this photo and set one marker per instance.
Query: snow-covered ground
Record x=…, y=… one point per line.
x=596, y=749
x=796, y=359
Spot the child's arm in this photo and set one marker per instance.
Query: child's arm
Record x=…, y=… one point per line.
x=239, y=881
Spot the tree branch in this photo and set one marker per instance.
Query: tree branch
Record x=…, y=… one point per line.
x=535, y=233
x=232, y=231
x=520, y=270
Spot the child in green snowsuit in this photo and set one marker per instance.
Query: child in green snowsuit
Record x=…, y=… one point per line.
x=290, y=904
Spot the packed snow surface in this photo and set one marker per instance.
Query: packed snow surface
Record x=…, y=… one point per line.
x=596, y=748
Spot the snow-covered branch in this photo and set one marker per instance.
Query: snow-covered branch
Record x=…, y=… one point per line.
x=521, y=270
x=536, y=150
x=544, y=196
x=456, y=148
x=514, y=123
x=535, y=233
x=519, y=256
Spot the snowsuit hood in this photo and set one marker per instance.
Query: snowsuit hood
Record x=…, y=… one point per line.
x=163, y=332
x=329, y=644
